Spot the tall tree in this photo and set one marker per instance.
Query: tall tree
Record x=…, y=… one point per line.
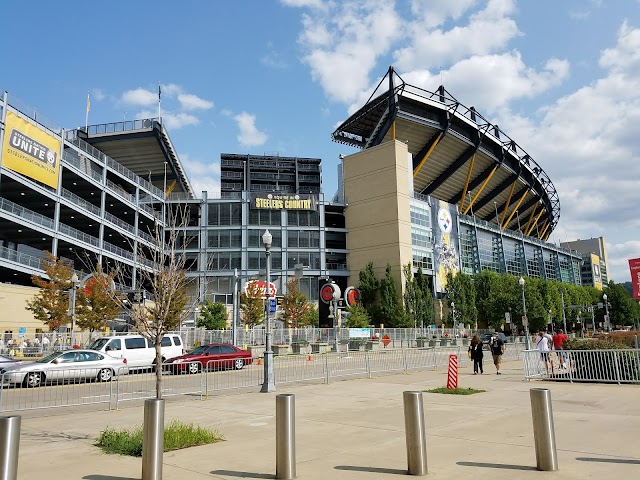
x=97, y=302
x=390, y=311
x=213, y=316
x=358, y=317
x=51, y=304
x=368, y=286
x=424, y=308
x=252, y=305
x=294, y=305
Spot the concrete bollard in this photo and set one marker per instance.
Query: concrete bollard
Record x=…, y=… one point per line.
x=543, y=429
x=286, y=436
x=415, y=433
x=9, y=446
x=153, y=439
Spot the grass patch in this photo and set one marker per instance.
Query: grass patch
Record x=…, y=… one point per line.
x=177, y=435
x=455, y=391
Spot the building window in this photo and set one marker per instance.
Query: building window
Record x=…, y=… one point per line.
x=224, y=214
x=303, y=218
x=224, y=239
x=265, y=217
x=224, y=261
x=255, y=238
x=310, y=260
x=258, y=260
x=303, y=239
x=423, y=259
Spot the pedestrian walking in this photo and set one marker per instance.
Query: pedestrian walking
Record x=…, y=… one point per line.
x=45, y=343
x=558, y=340
x=475, y=353
x=496, y=345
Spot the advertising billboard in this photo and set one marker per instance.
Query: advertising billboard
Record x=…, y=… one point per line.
x=446, y=256
x=30, y=151
x=634, y=267
x=595, y=269
x=283, y=201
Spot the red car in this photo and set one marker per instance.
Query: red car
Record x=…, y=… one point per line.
x=216, y=356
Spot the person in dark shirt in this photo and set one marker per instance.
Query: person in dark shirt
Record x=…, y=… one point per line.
x=497, y=349
x=475, y=350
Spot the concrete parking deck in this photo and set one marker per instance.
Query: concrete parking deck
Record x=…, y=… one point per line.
x=354, y=429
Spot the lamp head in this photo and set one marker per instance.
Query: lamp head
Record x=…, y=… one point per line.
x=521, y=282
x=604, y=297
x=74, y=278
x=267, y=238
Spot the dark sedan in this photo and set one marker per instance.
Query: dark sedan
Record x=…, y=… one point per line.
x=216, y=356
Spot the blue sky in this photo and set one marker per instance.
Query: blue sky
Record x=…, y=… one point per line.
x=267, y=76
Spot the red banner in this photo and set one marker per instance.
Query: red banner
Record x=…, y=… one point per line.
x=634, y=266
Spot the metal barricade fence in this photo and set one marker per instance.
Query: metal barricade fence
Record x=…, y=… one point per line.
x=232, y=374
x=598, y=366
x=55, y=388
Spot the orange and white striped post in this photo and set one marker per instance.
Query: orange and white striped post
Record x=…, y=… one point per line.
x=452, y=375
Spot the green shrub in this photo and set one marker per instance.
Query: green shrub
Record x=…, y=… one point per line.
x=624, y=338
x=602, y=343
x=177, y=435
x=455, y=391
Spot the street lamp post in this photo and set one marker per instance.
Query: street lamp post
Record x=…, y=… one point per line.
x=525, y=320
x=453, y=314
x=606, y=309
x=564, y=317
x=75, y=281
x=268, y=384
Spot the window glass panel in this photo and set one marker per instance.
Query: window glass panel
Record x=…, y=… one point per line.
x=135, y=343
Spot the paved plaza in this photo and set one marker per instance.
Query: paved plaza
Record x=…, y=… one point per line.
x=354, y=429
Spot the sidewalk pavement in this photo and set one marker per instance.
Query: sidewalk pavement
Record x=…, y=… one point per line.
x=354, y=429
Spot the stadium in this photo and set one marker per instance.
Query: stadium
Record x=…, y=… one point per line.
x=434, y=184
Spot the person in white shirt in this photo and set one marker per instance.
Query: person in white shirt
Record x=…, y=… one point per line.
x=544, y=343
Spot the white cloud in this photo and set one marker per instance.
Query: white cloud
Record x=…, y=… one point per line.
x=203, y=176
x=97, y=94
x=318, y=4
x=619, y=255
x=171, y=121
x=139, y=96
x=193, y=102
x=249, y=135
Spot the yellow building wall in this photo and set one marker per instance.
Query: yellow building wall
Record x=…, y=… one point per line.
x=377, y=193
x=13, y=302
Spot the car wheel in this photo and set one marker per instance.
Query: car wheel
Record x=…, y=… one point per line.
x=105, y=375
x=33, y=379
x=239, y=363
x=194, y=367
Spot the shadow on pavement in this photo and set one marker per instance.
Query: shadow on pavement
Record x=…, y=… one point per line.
x=353, y=468
x=232, y=473
x=496, y=465
x=608, y=460
x=107, y=477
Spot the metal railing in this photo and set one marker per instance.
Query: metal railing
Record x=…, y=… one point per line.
x=83, y=386
x=598, y=366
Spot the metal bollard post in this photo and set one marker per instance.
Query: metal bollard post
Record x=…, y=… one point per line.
x=286, y=436
x=153, y=439
x=543, y=430
x=9, y=447
x=415, y=433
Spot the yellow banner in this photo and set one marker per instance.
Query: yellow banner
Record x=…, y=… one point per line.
x=30, y=151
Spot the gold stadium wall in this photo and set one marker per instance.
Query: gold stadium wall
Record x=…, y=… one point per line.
x=13, y=300
x=377, y=194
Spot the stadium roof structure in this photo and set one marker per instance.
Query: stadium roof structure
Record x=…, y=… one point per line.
x=458, y=156
x=144, y=147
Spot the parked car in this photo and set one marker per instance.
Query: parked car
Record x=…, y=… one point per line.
x=211, y=357
x=64, y=366
x=137, y=350
x=7, y=361
x=486, y=337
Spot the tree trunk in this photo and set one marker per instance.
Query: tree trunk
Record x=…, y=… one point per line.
x=158, y=367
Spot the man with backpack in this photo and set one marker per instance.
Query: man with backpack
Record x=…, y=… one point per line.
x=496, y=345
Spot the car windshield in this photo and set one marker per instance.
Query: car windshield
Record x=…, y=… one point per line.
x=98, y=344
x=198, y=350
x=49, y=357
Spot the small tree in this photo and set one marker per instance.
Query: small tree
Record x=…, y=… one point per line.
x=368, y=286
x=311, y=317
x=213, y=316
x=97, y=303
x=294, y=305
x=357, y=318
x=163, y=275
x=51, y=304
x=252, y=305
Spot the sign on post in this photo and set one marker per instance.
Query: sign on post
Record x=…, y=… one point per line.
x=525, y=321
x=272, y=306
x=507, y=317
x=452, y=374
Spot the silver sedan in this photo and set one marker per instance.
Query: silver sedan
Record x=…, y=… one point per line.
x=68, y=366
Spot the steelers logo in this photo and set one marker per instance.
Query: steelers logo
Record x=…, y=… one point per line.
x=51, y=158
x=445, y=222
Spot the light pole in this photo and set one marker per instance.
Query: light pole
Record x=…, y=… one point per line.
x=525, y=320
x=606, y=309
x=564, y=317
x=75, y=281
x=268, y=384
x=334, y=304
x=453, y=314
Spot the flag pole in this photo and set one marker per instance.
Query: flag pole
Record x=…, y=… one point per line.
x=159, y=93
x=86, y=118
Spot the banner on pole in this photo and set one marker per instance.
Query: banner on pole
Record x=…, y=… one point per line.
x=452, y=375
x=634, y=267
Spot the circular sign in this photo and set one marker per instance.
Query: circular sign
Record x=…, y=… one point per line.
x=445, y=222
x=351, y=296
x=326, y=292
